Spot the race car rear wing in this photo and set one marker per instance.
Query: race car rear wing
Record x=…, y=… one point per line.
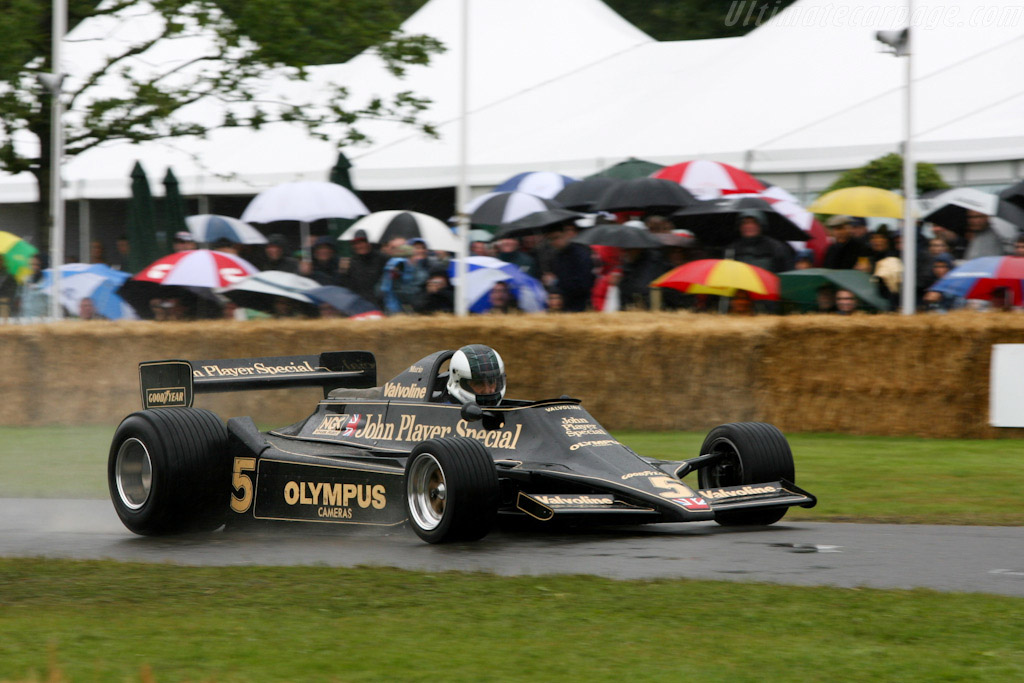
x=167, y=383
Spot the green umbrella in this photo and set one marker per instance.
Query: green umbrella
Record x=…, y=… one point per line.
x=801, y=286
x=628, y=169
x=174, y=211
x=141, y=223
x=16, y=252
x=340, y=176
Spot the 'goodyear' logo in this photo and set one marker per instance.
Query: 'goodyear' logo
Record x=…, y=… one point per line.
x=170, y=396
x=393, y=390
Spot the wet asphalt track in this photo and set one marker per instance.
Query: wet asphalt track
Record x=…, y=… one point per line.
x=945, y=558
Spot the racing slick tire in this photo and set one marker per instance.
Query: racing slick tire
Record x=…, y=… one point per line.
x=169, y=471
x=755, y=452
x=451, y=490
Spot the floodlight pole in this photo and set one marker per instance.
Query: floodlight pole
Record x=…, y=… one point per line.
x=909, y=293
x=462, y=190
x=60, y=12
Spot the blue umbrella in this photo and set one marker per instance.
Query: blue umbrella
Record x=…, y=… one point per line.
x=482, y=274
x=538, y=183
x=208, y=228
x=95, y=281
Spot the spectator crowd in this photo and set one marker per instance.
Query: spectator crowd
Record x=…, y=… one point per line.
x=404, y=276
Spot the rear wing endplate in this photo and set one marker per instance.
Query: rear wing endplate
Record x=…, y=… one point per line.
x=167, y=383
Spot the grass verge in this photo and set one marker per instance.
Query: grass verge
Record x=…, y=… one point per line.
x=856, y=478
x=104, y=621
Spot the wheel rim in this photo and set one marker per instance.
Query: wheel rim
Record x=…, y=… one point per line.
x=133, y=473
x=728, y=471
x=427, y=491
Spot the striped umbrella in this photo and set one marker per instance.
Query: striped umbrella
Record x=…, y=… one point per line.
x=721, y=277
x=710, y=179
x=207, y=228
x=16, y=253
x=978, y=278
x=498, y=208
x=544, y=184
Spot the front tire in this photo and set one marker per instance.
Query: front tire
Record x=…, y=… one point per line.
x=753, y=453
x=451, y=490
x=169, y=472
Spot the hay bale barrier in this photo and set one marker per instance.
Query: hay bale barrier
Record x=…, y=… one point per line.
x=886, y=375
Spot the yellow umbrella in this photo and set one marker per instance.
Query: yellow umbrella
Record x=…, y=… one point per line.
x=860, y=201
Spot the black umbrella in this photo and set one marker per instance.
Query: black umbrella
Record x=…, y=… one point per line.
x=1014, y=194
x=622, y=236
x=715, y=222
x=539, y=220
x=644, y=194
x=582, y=195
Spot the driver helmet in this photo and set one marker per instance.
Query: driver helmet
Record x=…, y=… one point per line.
x=476, y=374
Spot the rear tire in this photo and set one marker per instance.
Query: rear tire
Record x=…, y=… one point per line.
x=169, y=471
x=451, y=490
x=755, y=452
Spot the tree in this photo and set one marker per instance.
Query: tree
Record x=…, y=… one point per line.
x=149, y=101
x=887, y=173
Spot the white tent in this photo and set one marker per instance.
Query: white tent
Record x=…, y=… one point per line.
x=570, y=86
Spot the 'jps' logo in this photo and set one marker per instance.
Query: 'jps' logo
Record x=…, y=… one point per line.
x=173, y=396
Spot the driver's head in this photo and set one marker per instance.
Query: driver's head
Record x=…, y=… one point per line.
x=476, y=374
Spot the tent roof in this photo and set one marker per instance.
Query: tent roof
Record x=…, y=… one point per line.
x=572, y=87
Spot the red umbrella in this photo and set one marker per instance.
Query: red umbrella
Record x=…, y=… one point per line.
x=722, y=277
x=197, y=268
x=710, y=179
x=980, y=277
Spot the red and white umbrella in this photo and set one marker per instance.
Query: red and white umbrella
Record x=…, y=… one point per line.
x=710, y=179
x=197, y=268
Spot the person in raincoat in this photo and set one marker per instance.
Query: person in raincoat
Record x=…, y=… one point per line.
x=757, y=249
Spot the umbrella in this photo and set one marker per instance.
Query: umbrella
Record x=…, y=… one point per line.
x=621, y=236
x=16, y=253
x=207, y=228
x=173, y=210
x=537, y=221
x=188, y=274
x=484, y=271
x=862, y=201
x=305, y=202
x=644, y=194
x=628, y=169
x=262, y=291
x=383, y=226
x=975, y=279
x=950, y=208
x=721, y=277
x=141, y=222
x=801, y=286
x=498, y=208
x=94, y=281
x=789, y=206
x=544, y=184
x=345, y=301
x=714, y=222
x=582, y=195
x=1014, y=194
x=710, y=179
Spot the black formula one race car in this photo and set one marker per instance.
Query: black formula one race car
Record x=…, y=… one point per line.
x=398, y=453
